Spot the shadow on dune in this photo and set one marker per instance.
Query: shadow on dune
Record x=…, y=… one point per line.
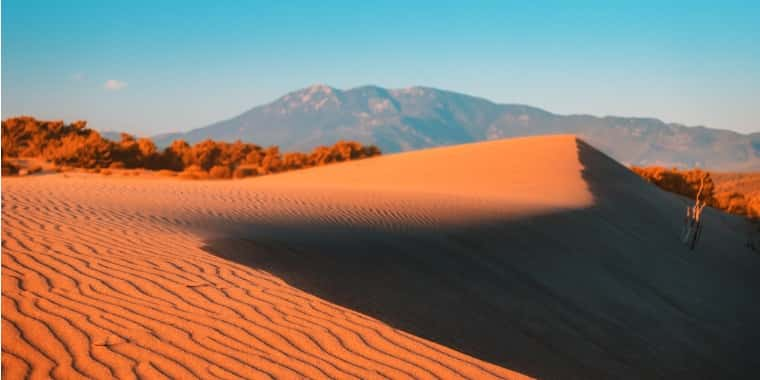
x=602, y=292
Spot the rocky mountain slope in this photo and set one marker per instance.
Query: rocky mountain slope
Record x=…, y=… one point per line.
x=420, y=117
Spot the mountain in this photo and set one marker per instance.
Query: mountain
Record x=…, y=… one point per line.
x=111, y=135
x=420, y=117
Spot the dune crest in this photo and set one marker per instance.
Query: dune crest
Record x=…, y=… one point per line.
x=538, y=171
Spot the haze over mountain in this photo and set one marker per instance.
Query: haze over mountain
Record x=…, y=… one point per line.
x=420, y=117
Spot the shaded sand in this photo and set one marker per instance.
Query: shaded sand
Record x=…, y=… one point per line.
x=536, y=254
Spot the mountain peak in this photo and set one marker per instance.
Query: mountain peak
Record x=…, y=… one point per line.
x=414, y=91
x=308, y=99
x=319, y=88
x=310, y=93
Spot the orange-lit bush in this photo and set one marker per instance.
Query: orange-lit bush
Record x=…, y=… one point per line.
x=244, y=171
x=684, y=182
x=687, y=182
x=731, y=202
x=220, y=172
x=9, y=168
x=75, y=145
x=82, y=149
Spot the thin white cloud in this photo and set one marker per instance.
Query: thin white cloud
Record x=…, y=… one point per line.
x=114, y=85
x=78, y=76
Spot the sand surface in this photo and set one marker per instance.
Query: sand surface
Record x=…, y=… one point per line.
x=534, y=255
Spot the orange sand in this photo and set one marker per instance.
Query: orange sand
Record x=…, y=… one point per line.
x=113, y=277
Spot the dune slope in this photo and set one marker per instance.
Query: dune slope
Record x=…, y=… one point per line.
x=539, y=254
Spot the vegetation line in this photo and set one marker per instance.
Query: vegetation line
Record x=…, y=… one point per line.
x=76, y=146
x=722, y=194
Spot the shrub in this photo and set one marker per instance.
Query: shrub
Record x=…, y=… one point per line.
x=687, y=182
x=245, y=171
x=684, y=182
x=193, y=175
x=186, y=175
x=193, y=172
x=296, y=160
x=85, y=150
x=220, y=172
x=731, y=202
x=205, y=154
x=167, y=173
x=9, y=168
x=77, y=146
x=270, y=161
x=177, y=156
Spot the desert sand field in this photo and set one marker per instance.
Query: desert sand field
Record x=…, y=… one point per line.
x=536, y=256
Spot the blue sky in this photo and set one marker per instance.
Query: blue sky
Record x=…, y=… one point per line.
x=156, y=66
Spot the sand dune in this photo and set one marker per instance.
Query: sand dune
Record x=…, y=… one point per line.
x=540, y=255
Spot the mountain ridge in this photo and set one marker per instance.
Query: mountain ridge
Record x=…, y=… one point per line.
x=419, y=117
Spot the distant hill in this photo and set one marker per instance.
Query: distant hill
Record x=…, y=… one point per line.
x=420, y=117
x=111, y=135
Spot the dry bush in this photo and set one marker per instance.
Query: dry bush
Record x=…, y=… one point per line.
x=193, y=172
x=245, y=171
x=342, y=151
x=206, y=154
x=721, y=196
x=187, y=175
x=77, y=146
x=271, y=161
x=753, y=207
x=731, y=202
x=25, y=136
x=220, y=172
x=177, y=156
x=684, y=182
x=81, y=148
x=193, y=175
x=745, y=183
x=295, y=160
x=9, y=168
x=106, y=172
x=167, y=173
